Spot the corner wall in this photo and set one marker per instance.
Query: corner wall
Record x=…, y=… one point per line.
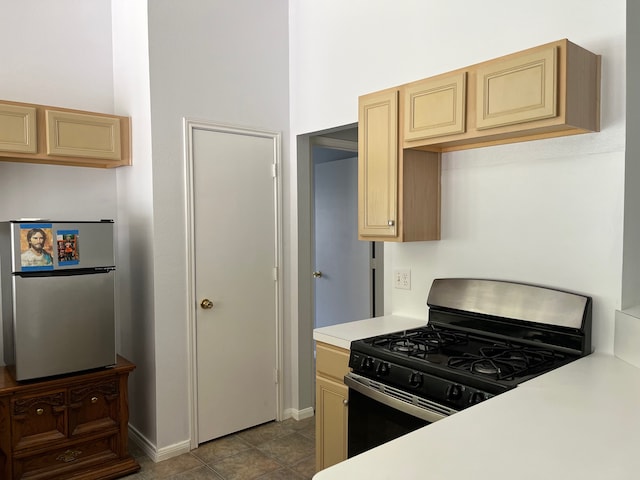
x=135, y=217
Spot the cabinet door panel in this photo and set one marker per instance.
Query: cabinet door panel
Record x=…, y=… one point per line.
x=93, y=407
x=331, y=422
x=378, y=165
x=520, y=89
x=18, y=129
x=38, y=419
x=83, y=135
x=435, y=107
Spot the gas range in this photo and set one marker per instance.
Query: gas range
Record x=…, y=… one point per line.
x=483, y=337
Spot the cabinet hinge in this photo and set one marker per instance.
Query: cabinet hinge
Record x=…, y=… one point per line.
x=373, y=263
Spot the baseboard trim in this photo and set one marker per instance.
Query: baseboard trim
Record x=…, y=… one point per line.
x=158, y=455
x=298, y=414
x=155, y=454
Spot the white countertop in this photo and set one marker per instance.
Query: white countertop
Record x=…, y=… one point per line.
x=343, y=334
x=580, y=421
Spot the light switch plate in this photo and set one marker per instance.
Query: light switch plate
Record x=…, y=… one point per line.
x=402, y=278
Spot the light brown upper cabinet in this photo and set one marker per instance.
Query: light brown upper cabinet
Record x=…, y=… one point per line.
x=435, y=107
x=378, y=164
x=51, y=135
x=517, y=90
x=547, y=91
x=398, y=190
x=83, y=135
x=17, y=129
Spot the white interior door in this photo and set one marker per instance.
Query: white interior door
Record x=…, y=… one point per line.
x=235, y=260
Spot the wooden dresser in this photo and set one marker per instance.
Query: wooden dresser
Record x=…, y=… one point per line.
x=72, y=427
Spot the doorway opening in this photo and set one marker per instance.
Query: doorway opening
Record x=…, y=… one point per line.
x=340, y=278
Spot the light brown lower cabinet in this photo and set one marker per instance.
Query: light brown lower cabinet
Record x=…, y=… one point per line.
x=71, y=427
x=332, y=398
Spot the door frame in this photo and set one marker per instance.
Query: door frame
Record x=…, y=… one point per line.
x=189, y=126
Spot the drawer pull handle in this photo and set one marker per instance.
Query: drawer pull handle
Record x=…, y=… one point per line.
x=69, y=456
x=94, y=399
x=345, y=402
x=39, y=411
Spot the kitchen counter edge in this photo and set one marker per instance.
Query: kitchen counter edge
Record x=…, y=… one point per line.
x=341, y=335
x=578, y=421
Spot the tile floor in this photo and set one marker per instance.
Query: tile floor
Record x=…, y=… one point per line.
x=273, y=451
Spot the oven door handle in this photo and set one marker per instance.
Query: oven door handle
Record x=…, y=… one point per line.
x=378, y=396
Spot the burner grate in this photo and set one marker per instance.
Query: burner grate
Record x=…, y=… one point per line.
x=505, y=362
x=420, y=343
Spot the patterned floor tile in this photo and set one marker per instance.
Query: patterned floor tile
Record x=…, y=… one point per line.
x=273, y=451
x=216, y=450
x=265, y=433
x=288, y=449
x=246, y=465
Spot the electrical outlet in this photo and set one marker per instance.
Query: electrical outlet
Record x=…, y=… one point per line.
x=402, y=279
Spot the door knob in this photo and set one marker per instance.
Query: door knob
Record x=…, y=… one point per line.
x=206, y=304
x=317, y=274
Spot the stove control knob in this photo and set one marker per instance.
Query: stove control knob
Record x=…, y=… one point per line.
x=477, y=397
x=383, y=368
x=415, y=379
x=454, y=392
x=367, y=363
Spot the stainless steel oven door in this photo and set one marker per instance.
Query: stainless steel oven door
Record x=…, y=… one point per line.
x=379, y=413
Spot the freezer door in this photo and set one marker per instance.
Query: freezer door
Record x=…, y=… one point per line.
x=63, y=245
x=63, y=323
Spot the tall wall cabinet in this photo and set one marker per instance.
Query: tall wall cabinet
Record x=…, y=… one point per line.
x=398, y=190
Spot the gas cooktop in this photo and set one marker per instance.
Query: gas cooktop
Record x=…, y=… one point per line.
x=482, y=361
x=483, y=337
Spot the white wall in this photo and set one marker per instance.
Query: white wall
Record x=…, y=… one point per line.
x=222, y=62
x=546, y=212
x=58, y=54
x=135, y=216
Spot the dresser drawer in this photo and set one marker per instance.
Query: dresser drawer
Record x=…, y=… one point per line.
x=60, y=463
x=38, y=419
x=332, y=361
x=93, y=407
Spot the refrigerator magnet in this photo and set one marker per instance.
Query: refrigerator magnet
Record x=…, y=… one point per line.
x=36, y=246
x=68, y=253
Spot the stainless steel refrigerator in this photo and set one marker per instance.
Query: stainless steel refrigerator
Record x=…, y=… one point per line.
x=57, y=281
